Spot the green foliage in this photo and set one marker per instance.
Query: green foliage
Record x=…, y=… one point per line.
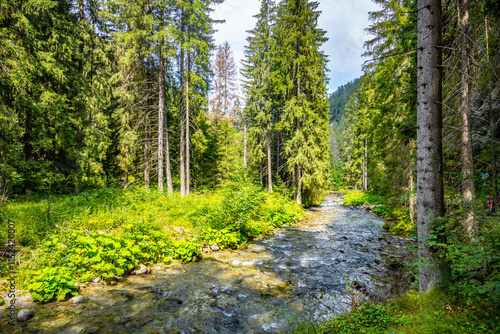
x=357, y=198
x=185, y=250
x=106, y=233
x=337, y=175
x=52, y=282
x=339, y=98
x=223, y=238
x=368, y=318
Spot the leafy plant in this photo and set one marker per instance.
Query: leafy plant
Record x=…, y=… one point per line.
x=185, y=250
x=52, y=282
x=223, y=238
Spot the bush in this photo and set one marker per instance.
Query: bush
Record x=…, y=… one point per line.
x=52, y=282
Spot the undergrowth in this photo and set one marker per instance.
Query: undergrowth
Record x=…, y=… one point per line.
x=413, y=313
x=105, y=234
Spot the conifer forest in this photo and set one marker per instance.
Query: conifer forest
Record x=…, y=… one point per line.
x=134, y=148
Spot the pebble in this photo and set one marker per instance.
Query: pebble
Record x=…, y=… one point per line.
x=214, y=247
x=78, y=299
x=25, y=314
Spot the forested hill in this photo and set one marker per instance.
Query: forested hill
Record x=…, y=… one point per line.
x=340, y=97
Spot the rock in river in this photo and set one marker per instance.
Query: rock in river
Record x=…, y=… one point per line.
x=142, y=270
x=78, y=299
x=25, y=314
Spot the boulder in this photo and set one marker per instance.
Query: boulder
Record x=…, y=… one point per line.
x=214, y=247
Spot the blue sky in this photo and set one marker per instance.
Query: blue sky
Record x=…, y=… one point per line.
x=343, y=20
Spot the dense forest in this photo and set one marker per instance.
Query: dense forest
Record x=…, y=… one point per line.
x=118, y=93
x=339, y=98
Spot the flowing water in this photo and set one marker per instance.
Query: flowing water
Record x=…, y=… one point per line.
x=301, y=272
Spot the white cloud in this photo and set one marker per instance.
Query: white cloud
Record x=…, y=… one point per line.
x=343, y=20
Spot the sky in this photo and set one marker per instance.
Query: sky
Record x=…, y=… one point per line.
x=343, y=20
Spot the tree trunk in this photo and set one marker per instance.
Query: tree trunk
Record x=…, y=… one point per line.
x=365, y=165
x=430, y=197
x=168, y=168
x=182, y=145
x=147, y=152
x=493, y=153
x=298, y=196
x=411, y=183
x=466, y=147
x=278, y=154
x=269, y=165
x=161, y=115
x=188, y=68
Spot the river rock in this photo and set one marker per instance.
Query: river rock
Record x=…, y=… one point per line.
x=78, y=299
x=25, y=314
x=142, y=270
x=214, y=247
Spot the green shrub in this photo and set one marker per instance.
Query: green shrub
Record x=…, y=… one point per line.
x=185, y=250
x=369, y=318
x=52, y=282
x=223, y=238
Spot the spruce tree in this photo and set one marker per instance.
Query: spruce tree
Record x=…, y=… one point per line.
x=299, y=69
x=258, y=86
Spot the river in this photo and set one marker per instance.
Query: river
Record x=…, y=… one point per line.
x=305, y=271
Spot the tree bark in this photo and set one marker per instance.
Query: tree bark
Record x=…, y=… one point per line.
x=365, y=165
x=147, y=152
x=161, y=115
x=466, y=140
x=188, y=70
x=298, y=196
x=411, y=183
x=430, y=197
x=168, y=168
x=493, y=153
x=269, y=165
x=182, y=144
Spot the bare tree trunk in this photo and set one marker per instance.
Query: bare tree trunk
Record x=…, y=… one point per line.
x=182, y=144
x=147, y=150
x=365, y=165
x=269, y=165
x=188, y=68
x=278, y=154
x=161, y=115
x=430, y=197
x=466, y=147
x=168, y=168
x=411, y=183
x=298, y=196
x=493, y=152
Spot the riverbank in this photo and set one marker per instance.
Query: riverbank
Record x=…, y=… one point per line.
x=68, y=242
